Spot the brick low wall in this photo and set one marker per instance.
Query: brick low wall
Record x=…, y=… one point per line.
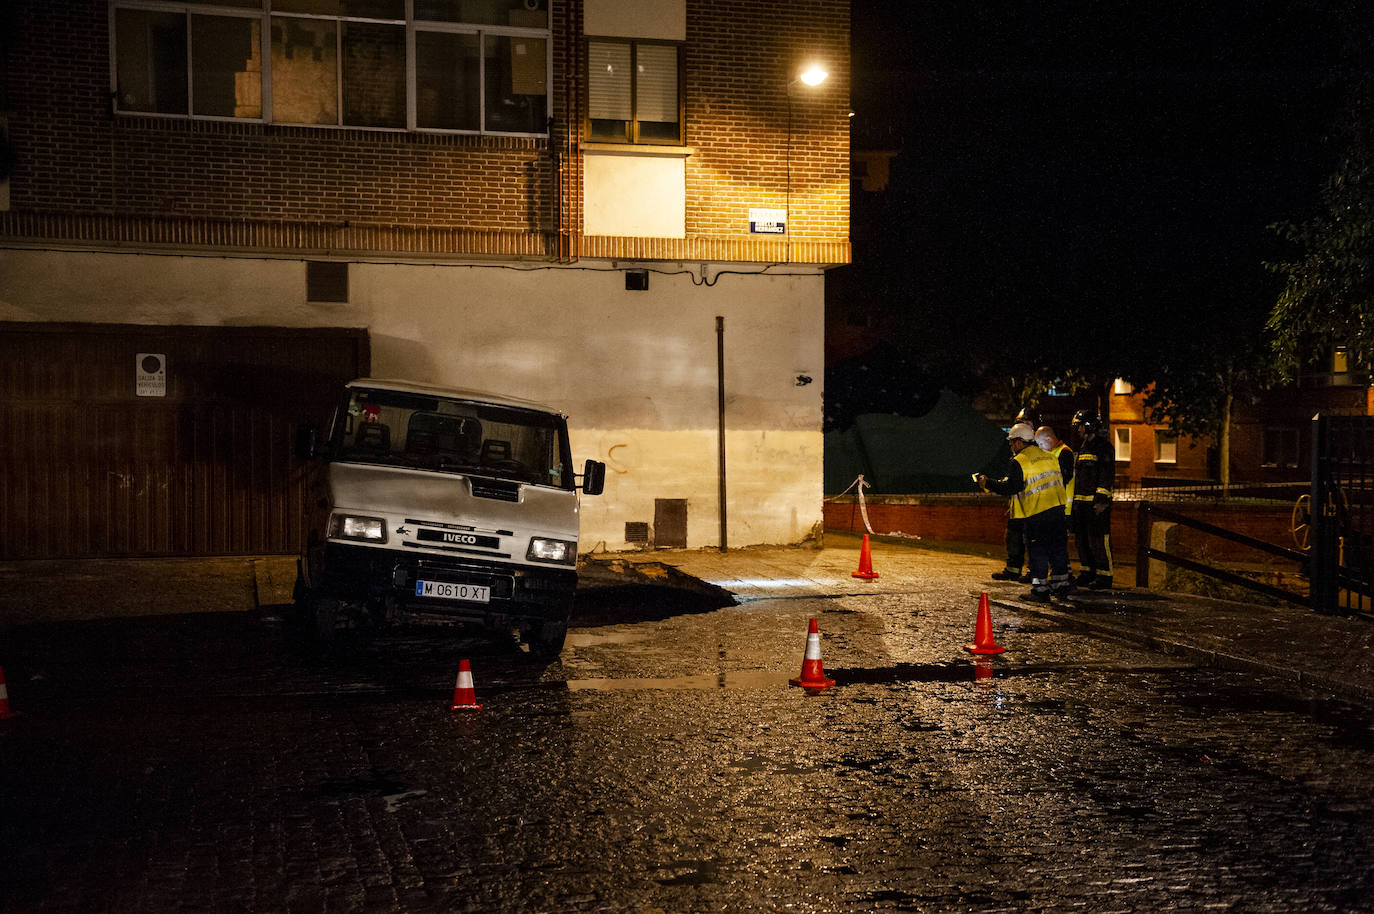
x=983, y=519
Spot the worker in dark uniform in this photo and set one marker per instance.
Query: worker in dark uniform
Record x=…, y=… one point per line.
x=1033, y=481
x=1016, y=522
x=1094, y=472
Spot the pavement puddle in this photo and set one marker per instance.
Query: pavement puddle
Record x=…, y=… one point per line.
x=967, y=671
x=747, y=679
x=902, y=673
x=595, y=639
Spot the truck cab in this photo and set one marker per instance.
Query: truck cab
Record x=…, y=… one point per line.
x=436, y=505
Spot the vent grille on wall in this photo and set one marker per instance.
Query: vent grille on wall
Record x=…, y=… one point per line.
x=326, y=281
x=636, y=531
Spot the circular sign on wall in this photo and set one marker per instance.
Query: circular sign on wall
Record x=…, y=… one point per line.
x=150, y=374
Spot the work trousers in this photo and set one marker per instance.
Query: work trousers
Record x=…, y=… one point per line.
x=1094, y=534
x=1016, y=543
x=1047, y=540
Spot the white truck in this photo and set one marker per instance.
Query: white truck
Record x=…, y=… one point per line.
x=434, y=505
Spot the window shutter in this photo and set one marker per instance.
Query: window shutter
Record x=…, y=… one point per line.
x=608, y=81
x=656, y=90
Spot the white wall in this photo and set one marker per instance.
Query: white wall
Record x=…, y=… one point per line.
x=636, y=195
x=635, y=371
x=664, y=19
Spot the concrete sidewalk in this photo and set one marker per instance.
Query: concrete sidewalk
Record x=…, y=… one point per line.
x=1335, y=654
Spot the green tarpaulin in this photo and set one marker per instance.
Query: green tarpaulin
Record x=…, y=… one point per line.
x=904, y=455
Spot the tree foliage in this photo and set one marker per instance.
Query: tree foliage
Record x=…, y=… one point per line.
x=1328, y=296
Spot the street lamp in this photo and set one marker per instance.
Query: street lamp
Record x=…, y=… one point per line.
x=812, y=75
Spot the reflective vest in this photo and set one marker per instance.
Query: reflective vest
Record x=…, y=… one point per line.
x=1068, y=488
x=1044, y=488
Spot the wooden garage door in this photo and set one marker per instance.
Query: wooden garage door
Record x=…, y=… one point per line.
x=121, y=440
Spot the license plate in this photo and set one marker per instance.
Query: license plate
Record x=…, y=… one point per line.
x=443, y=590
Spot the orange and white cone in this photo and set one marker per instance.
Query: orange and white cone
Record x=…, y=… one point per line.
x=812, y=672
x=5, y=711
x=865, y=571
x=982, y=635
x=464, y=696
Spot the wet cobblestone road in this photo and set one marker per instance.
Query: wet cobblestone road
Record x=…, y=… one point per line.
x=213, y=763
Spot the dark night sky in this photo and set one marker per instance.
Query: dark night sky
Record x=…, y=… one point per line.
x=1091, y=161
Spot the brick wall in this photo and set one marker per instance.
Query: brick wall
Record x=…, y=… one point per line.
x=984, y=520
x=75, y=158
x=741, y=57
x=84, y=175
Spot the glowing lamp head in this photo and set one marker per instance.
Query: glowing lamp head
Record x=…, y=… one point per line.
x=813, y=75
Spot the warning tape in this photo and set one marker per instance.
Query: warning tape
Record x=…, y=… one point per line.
x=861, y=484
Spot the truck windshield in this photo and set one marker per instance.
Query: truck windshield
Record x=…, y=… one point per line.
x=463, y=436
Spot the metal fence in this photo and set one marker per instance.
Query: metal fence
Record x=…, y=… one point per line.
x=1148, y=513
x=1341, y=509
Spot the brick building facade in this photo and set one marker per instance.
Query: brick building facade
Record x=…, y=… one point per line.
x=164, y=176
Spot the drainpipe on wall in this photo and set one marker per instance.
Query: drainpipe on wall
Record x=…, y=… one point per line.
x=720, y=420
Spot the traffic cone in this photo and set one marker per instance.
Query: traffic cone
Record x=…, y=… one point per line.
x=5, y=712
x=464, y=696
x=812, y=673
x=865, y=563
x=982, y=636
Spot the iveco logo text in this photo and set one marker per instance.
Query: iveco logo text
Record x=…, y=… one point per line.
x=466, y=539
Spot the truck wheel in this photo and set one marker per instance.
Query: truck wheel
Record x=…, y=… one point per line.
x=324, y=614
x=546, y=641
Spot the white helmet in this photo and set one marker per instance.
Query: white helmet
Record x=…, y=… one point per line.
x=1021, y=430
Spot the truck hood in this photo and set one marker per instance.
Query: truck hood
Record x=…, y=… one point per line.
x=420, y=496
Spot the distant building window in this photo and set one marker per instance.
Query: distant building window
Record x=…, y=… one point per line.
x=633, y=91
x=1280, y=448
x=326, y=280
x=1122, y=387
x=481, y=66
x=1123, y=444
x=1166, y=447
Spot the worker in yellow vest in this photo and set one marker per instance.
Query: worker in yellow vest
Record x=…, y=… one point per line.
x=1034, y=482
x=1049, y=440
x=1016, y=522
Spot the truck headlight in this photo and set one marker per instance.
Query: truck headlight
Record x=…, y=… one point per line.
x=355, y=527
x=560, y=552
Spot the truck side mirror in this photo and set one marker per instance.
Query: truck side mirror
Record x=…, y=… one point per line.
x=307, y=441
x=593, y=477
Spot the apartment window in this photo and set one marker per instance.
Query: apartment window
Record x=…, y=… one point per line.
x=1166, y=446
x=1123, y=444
x=1280, y=448
x=633, y=92
x=473, y=66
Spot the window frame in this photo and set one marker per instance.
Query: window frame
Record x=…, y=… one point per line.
x=265, y=15
x=633, y=137
x=1121, y=434
x=1163, y=435
x=1288, y=432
